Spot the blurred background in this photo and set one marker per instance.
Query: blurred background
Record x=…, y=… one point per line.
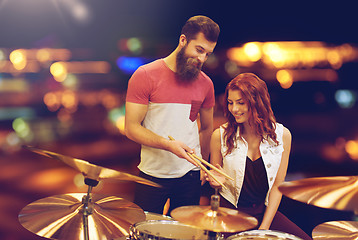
x=65, y=65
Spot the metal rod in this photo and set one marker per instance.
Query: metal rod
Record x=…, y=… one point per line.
x=86, y=211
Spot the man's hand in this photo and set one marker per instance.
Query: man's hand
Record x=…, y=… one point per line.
x=180, y=149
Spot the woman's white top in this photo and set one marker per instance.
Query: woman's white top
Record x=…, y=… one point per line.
x=235, y=162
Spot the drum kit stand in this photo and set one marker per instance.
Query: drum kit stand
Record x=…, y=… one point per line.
x=88, y=216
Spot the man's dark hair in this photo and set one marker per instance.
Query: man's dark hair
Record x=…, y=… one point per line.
x=203, y=24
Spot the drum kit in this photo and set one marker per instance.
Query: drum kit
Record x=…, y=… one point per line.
x=340, y=193
x=89, y=216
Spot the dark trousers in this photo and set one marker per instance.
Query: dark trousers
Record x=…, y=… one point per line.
x=183, y=191
x=279, y=223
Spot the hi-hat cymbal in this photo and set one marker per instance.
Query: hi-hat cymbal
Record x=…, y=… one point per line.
x=90, y=170
x=337, y=230
x=340, y=193
x=222, y=220
x=61, y=217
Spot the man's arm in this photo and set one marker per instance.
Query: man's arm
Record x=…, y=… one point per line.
x=205, y=131
x=134, y=130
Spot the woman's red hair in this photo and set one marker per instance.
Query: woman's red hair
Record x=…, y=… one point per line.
x=255, y=94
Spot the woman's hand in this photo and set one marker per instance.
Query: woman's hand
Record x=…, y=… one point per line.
x=219, y=176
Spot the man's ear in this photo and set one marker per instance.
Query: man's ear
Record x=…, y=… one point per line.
x=182, y=40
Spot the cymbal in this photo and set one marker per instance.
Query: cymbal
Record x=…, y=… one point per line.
x=340, y=193
x=222, y=220
x=61, y=217
x=90, y=170
x=337, y=230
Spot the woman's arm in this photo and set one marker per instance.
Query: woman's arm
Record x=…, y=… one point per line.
x=275, y=194
x=215, y=159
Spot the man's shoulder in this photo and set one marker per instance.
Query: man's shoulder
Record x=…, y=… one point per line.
x=154, y=65
x=205, y=78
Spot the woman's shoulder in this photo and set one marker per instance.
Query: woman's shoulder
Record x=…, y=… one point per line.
x=286, y=134
x=216, y=132
x=219, y=130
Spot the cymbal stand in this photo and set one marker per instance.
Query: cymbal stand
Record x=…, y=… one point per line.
x=215, y=204
x=87, y=207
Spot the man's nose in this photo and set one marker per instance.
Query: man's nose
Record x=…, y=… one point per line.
x=202, y=57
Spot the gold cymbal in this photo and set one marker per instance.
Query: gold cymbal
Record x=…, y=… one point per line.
x=61, y=217
x=222, y=220
x=337, y=230
x=340, y=193
x=92, y=171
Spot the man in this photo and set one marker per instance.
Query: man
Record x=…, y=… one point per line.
x=165, y=98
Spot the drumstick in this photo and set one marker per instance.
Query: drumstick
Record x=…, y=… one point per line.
x=205, y=169
x=209, y=164
x=202, y=166
x=212, y=166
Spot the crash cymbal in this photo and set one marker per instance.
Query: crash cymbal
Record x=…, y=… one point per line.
x=337, y=230
x=221, y=220
x=340, y=193
x=61, y=217
x=92, y=171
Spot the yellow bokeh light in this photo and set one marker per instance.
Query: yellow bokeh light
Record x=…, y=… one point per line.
x=293, y=54
x=334, y=59
x=352, y=149
x=238, y=55
x=18, y=59
x=253, y=51
x=64, y=115
x=43, y=55
x=52, y=101
x=285, y=78
x=69, y=99
x=59, y=71
x=17, y=56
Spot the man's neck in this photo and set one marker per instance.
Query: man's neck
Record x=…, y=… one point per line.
x=171, y=60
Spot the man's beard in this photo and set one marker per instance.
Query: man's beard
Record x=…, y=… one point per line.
x=187, y=68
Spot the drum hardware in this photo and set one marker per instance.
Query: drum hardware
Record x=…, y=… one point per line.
x=165, y=230
x=214, y=218
x=340, y=193
x=156, y=216
x=67, y=217
x=338, y=230
x=92, y=171
x=83, y=215
x=264, y=235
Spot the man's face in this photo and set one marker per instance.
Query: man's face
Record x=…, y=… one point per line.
x=192, y=56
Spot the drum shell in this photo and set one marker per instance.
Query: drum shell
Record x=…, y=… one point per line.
x=263, y=235
x=165, y=230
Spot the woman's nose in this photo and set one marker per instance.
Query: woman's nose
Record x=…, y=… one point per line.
x=235, y=107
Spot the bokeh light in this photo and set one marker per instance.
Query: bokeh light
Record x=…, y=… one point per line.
x=345, y=98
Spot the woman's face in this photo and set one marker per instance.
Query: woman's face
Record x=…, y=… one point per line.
x=237, y=106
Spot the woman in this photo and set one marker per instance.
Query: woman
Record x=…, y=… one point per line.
x=254, y=150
